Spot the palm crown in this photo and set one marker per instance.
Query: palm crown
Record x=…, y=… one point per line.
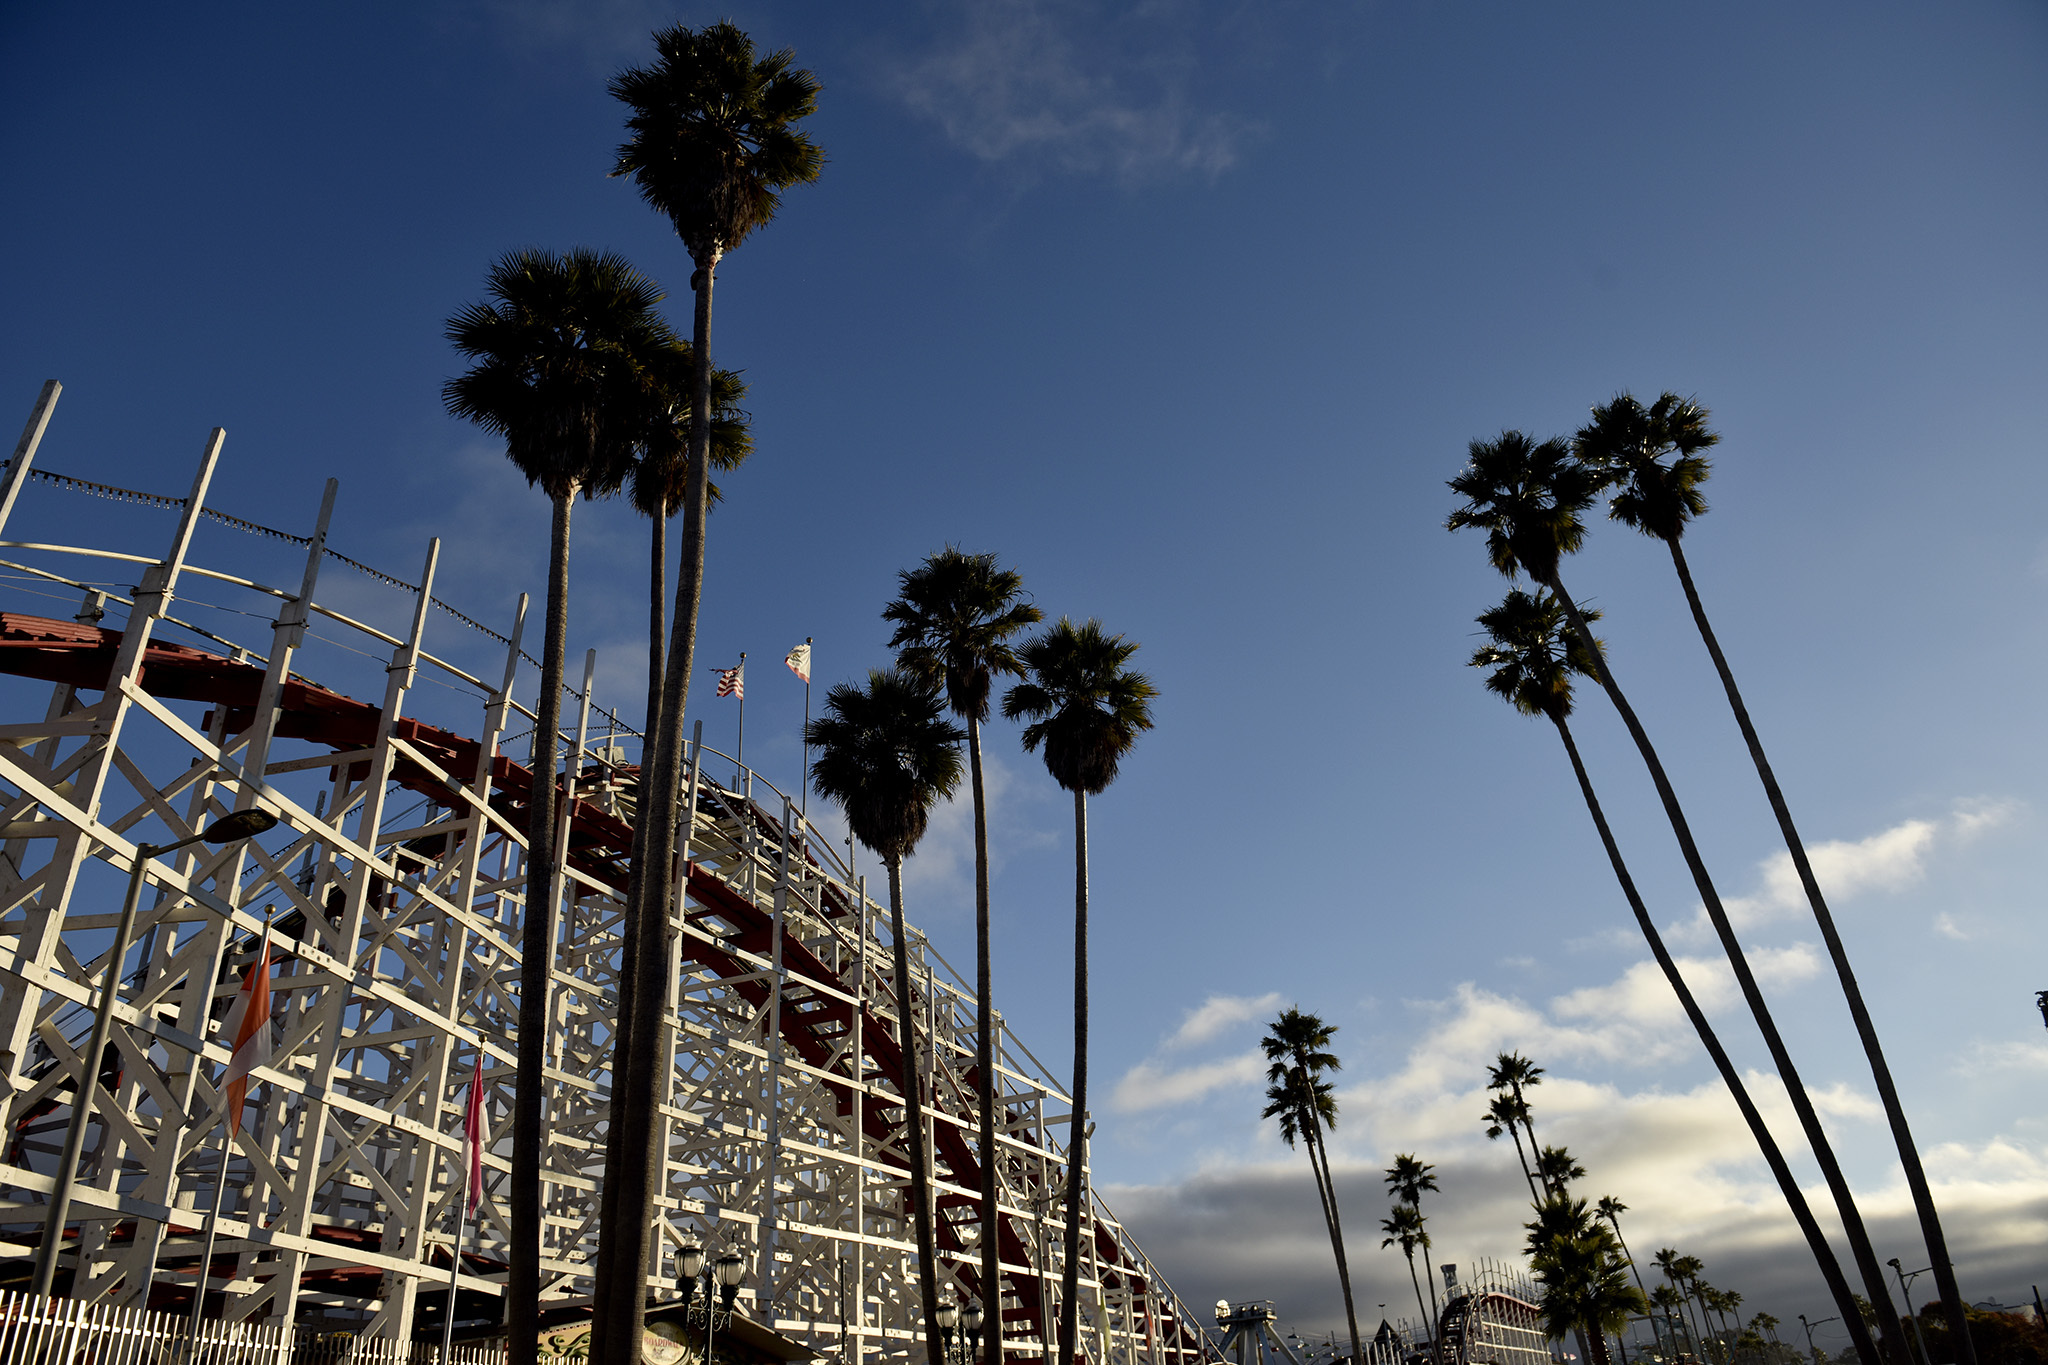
x=1513, y=1072
x=714, y=137
x=1558, y=1168
x=1529, y=498
x=1302, y=1102
x=560, y=351
x=1629, y=445
x=1084, y=709
x=1409, y=1179
x=1403, y=1226
x=1296, y=1046
x=1503, y=1113
x=1533, y=653
x=886, y=754
x=954, y=617
x=659, y=481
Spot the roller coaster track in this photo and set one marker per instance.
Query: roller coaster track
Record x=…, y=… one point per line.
x=394, y=890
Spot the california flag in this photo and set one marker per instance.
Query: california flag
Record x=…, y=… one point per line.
x=799, y=661
x=474, y=1134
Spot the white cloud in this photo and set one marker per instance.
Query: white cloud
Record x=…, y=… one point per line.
x=1220, y=1012
x=1945, y=924
x=1065, y=85
x=1147, y=1086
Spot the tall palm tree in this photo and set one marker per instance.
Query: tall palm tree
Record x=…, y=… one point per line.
x=1671, y=1265
x=1531, y=658
x=1654, y=455
x=1408, y=1179
x=714, y=140
x=558, y=353
x=1559, y=1169
x=657, y=487
x=1668, y=1301
x=1515, y=1075
x=954, y=616
x=1693, y=1286
x=1611, y=1209
x=887, y=754
x=1403, y=1226
x=1086, y=711
x=1504, y=1114
x=1529, y=498
x=1560, y=1219
x=1297, y=1048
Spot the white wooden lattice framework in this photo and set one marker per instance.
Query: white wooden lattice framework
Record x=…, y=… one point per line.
x=393, y=888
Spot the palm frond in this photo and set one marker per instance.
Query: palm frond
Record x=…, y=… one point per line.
x=1652, y=455
x=1529, y=497
x=1085, y=711
x=954, y=615
x=887, y=754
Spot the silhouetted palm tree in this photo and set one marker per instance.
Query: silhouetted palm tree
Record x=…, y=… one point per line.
x=954, y=616
x=1403, y=1226
x=714, y=140
x=1504, y=1114
x=1611, y=1209
x=1585, y=1289
x=1516, y=1075
x=1531, y=660
x=1086, y=712
x=1654, y=456
x=887, y=755
x=1558, y=1169
x=558, y=356
x=1408, y=1179
x=1297, y=1050
x=1529, y=498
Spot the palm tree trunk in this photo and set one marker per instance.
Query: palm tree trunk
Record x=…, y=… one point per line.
x=1077, y=1140
x=1535, y=1149
x=985, y=1067
x=1515, y=1132
x=536, y=958
x=1774, y=1157
x=660, y=792
x=1428, y=1323
x=615, y=1128
x=1867, y=1265
x=913, y=1120
x=1321, y=1156
x=1866, y=1031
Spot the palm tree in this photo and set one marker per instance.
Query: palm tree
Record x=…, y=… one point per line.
x=1505, y=1114
x=1585, y=1289
x=1408, y=1179
x=1531, y=660
x=1667, y=1301
x=714, y=141
x=1529, y=498
x=1654, y=456
x=1689, y=1270
x=558, y=353
x=1560, y=1219
x=1404, y=1226
x=1297, y=1048
x=1611, y=1209
x=1085, y=712
x=1516, y=1075
x=887, y=754
x=1558, y=1169
x=954, y=617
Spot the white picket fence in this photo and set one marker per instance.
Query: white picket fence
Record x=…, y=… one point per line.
x=38, y=1331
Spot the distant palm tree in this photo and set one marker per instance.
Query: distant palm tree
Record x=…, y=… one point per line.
x=1297, y=1048
x=1560, y=1219
x=1585, y=1289
x=714, y=140
x=954, y=616
x=1504, y=1114
x=1668, y=1301
x=1611, y=1209
x=1529, y=498
x=1558, y=1169
x=1691, y=1285
x=1673, y=1266
x=887, y=755
x=1654, y=454
x=558, y=354
x=1531, y=658
x=1408, y=1179
x=1516, y=1075
x=1085, y=712
x=1403, y=1226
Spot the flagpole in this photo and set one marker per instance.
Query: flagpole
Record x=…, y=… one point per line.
x=455, y=1269
x=220, y=1187
x=739, y=758
x=803, y=789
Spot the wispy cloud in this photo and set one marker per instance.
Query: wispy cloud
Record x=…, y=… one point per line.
x=1061, y=86
x=1219, y=1013
x=1149, y=1086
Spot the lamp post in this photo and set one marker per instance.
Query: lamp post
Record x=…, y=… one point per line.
x=243, y=824
x=1809, y=1326
x=970, y=1322
x=1906, y=1278
x=724, y=1274
x=946, y=1315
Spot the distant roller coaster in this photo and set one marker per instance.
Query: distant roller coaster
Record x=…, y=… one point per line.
x=393, y=890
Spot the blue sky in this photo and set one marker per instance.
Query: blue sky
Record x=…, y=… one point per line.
x=1188, y=312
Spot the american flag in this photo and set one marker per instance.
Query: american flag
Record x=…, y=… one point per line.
x=732, y=682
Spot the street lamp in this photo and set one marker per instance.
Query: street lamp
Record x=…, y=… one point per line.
x=944, y=1317
x=243, y=824
x=1906, y=1278
x=1809, y=1326
x=724, y=1274
x=970, y=1321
